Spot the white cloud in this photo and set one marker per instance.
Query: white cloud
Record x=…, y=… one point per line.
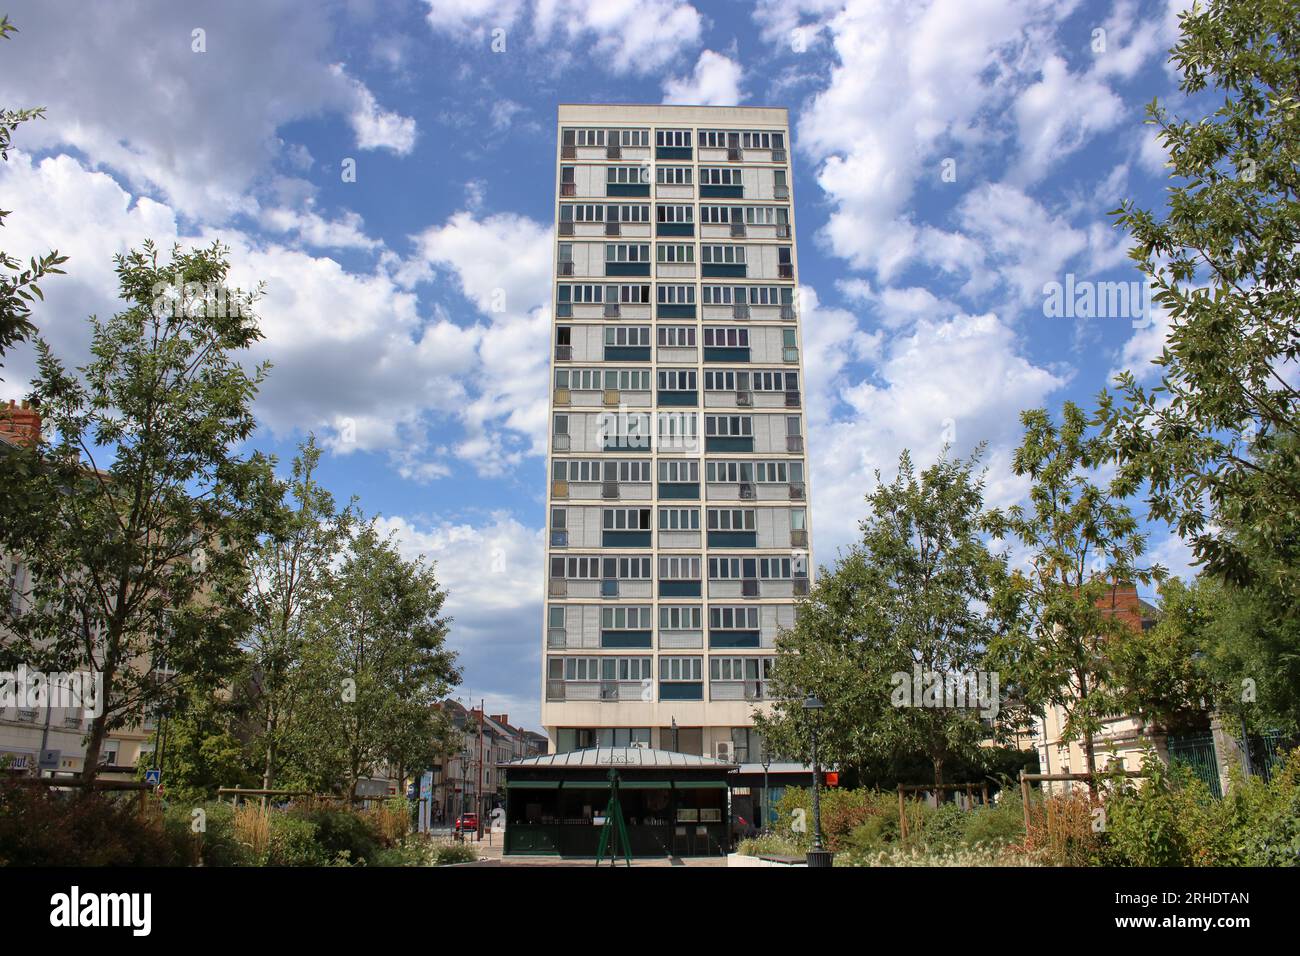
x=198, y=128
x=620, y=36
x=1058, y=114
x=961, y=381
x=374, y=126
x=715, y=81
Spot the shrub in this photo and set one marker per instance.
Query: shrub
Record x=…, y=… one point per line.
x=43, y=827
x=1000, y=824
x=293, y=842
x=450, y=853
x=392, y=820
x=770, y=845
x=340, y=831
x=217, y=843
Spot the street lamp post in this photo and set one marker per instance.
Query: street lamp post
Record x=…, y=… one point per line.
x=817, y=856
x=766, y=758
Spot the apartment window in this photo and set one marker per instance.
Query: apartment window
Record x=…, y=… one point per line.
x=630, y=294
x=678, y=472
x=668, y=252
x=720, y=176
x=721, y=295
x=774, y=568
x=625, y=519
x=728, y=472
x=731, y=519
x=720, y=215
x=676, y=294
x=627, y=568
x=588, y=137
x=723, y=255
x=726, y=337
x=677, y=336
x=679, y=617
x=673, y=137
x=628, y=379
x=572, y=469
x=679, y=568
x=724, y=426
x=623, y=618
x=677, y=380
x=673, y=175
x=681, y=214
x=625, y=252
x=677, y=427
x=627, y=335
x=768, y=380
x=555, y=616
x=628, y=470
x=575, y=567
x=639, y=213
x=583, y=212
x=679, y=668
x=728, y=617
x=766, y=295
x=620, y=175
x=767, y=215
x=679, y=519
x=582, y=294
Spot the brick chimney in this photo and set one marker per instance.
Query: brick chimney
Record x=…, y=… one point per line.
x=20, y=423
x=1123, y=603
x=501, y=718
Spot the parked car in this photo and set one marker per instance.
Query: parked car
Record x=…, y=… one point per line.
x=467, y=823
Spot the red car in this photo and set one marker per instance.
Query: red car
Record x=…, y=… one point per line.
x=467, y=823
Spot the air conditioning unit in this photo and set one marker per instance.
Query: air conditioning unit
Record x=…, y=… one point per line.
x=745, y=399
x=724, y=750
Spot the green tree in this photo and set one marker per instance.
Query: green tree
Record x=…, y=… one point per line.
x=19, y=287
x=1206, y=444
x=136, y=520
x=1083, y=545
x=375, y=664
x=289, y=567
x=914, y=597
x=197, y=746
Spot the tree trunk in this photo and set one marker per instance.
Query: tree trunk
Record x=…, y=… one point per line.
x=98, y=731
x=938, y=774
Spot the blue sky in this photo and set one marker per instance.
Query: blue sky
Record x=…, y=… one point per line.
x=951, y=158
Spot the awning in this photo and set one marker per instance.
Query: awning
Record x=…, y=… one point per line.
x=533, y=785
x=700, y=784
x=644, y=785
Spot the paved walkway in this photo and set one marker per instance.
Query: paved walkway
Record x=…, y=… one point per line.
x=491, y=856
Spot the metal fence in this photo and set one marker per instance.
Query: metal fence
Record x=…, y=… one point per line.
x=1196, y=751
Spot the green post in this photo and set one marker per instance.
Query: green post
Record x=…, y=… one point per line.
x=609, y=836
